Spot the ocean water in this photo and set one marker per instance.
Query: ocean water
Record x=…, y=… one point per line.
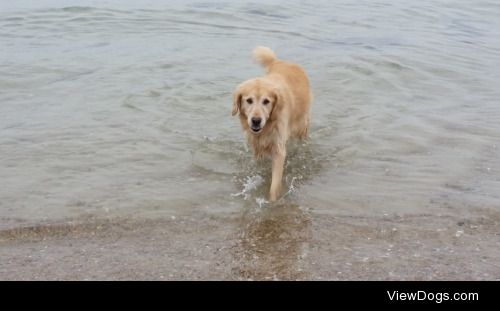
x=117, y=113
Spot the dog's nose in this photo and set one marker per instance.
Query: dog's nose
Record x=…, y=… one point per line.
x=256, y=121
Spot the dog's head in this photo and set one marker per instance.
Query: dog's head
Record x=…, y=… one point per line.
x=256, y=100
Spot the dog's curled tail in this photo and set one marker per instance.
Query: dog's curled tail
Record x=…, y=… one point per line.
x=264, y=56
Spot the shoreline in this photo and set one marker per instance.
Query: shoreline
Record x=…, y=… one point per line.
x=280, y=244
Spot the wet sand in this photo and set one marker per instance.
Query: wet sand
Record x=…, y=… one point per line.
x=280, y=243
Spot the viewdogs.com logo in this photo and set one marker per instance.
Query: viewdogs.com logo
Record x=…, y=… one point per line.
x=436, y=297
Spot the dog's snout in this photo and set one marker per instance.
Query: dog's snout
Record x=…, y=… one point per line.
x=256, y=121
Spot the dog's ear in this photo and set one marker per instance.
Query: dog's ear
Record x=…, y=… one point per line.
x=278, y=98
x=236, y=101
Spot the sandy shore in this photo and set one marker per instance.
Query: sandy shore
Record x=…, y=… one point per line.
x=282, y=243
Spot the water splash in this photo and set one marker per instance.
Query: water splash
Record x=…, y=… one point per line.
x=251, y=183
x=292, y=189
x=261, y=202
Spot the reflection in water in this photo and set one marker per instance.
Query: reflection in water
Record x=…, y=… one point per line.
x=274, y=237
x=272, y=243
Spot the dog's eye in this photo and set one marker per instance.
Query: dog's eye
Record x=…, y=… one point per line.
x=250, y=101
x=265, y=101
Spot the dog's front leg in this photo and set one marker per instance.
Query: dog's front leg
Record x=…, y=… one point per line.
x=278, y=157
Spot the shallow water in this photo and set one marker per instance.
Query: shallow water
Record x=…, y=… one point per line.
x=116, y=115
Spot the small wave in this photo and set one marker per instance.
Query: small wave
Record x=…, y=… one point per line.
x=77, y=9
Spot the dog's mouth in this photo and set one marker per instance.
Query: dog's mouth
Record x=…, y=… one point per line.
x=256, y=130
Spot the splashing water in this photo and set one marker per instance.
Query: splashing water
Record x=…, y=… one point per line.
x=261, y=202
x=252, y=182
x=292, y=189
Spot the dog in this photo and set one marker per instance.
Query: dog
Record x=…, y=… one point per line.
x=272, y=109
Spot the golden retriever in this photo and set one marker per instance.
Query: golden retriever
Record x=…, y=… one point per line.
x=273, y=109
